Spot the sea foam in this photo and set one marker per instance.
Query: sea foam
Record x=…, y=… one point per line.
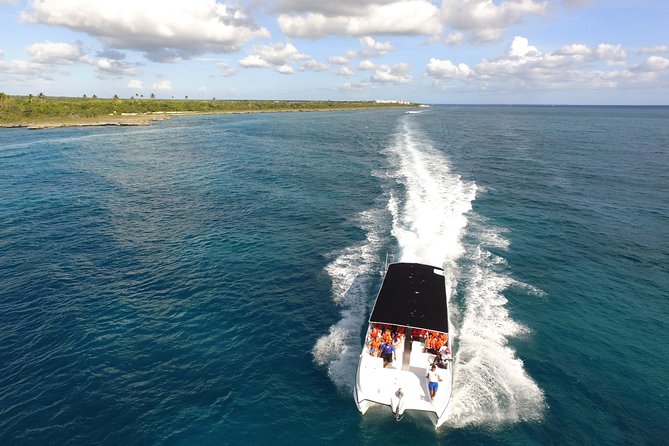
x=430, y=210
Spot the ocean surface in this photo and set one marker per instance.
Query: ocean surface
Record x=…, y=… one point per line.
x=207, y=279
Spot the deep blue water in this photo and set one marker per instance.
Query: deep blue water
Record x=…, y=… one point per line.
x=205, y=280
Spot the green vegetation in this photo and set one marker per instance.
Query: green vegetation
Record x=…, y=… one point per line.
x=19, y=110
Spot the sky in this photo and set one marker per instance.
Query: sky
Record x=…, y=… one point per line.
x=430, y=51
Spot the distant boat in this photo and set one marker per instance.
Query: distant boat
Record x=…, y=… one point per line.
x=412, y=300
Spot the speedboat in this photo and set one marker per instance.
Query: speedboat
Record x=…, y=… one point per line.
x=411, y=305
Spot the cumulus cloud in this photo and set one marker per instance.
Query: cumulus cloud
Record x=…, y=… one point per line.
x=354, y=85
x=366, y=65
x=226, y=70
x=373, y=48
x=575, y=49
x=573, y=66
x=163, y=85
x=339, y=60
x=164, y=30
x=445, y=69
x=24, y=70
x=454, y=38
x=56, y=53
x=396, y=74
x=313, y=65
x=612, y=53
x=486, y=20
x=655, y=49
x=279, y=57
x=135, y=84
x=313, y=20
x=655, y=63
x=114, y=68
x=345, y=71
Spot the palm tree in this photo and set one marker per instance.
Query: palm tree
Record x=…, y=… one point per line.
x=153, y=96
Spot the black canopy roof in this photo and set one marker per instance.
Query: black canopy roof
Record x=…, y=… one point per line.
x=412, y=295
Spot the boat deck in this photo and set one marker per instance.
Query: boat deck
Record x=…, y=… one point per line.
x=380, y=385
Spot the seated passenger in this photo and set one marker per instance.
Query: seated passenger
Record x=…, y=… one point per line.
x=442, y=358
x=376, y=331
x=387, y=337
x=399, y=336
x=374, y=346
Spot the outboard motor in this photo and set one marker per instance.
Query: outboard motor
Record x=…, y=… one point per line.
x=397, y=405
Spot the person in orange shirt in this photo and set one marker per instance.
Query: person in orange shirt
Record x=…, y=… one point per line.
x=376, y=331
x=374, y=346
x=387, y=337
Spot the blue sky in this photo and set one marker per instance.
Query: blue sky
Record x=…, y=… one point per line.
x=432, y=51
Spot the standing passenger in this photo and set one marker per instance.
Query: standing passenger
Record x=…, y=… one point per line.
x=388, y=353
x=433, y=379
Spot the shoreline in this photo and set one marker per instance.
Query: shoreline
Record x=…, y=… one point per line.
x=145, y=119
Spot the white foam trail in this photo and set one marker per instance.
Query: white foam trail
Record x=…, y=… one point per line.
x=430, y=219
x=490, y=383
x=430, y=207
x=351, y=273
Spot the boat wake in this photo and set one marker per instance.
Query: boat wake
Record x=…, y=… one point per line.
x=427, y=209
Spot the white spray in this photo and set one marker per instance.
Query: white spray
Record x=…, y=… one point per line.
x=430, y=208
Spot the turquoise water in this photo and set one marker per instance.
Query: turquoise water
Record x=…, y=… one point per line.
x=206, y=280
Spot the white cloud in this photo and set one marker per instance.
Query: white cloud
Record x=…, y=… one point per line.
x=397, y=74
x=520, y=47
x=339, y=60
x=613, y=53
x=163, y=85
x=313, y=65
x=278, y=57
x=445, y=69
x=487, y=20
x=254, y=61
x=655, y=63
x=56, y=53
x=366, y=65
x=135, y=84
x=358, y=18
x=164, y=30
x=24, y=70
x=355, y=85
x=114, y=68
x=373, y=48
x=345, y=71
x=575, y=49
x=454, y=38
x=573, y=66
x=226, y=70
x=655, y=49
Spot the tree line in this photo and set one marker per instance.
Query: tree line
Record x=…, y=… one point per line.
x=16, y=109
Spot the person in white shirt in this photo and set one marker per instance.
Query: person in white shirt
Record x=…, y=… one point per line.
x=433, y=379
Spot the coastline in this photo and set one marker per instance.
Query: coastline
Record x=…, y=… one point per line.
x=145, y=119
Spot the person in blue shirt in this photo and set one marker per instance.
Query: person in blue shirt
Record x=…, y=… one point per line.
x=388, y=353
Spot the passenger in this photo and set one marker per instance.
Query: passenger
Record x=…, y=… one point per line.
x=376, y=331
x=437, y=343
x=387, y=337
x=433, y=379
x=442, y=358
x=399, y=336
x=388, y=353
x=374, y=346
